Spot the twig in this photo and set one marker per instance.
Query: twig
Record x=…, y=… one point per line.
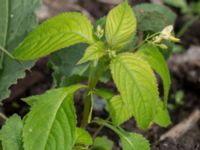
x=99, y=129
x=3, y=116
x=181, y=128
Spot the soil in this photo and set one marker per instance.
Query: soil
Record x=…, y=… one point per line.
x=39, y=80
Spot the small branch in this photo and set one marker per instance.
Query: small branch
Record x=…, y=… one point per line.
x=99, y=129
x=3, y=116
x=181, y=128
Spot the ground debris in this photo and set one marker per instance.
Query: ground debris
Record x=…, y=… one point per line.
x=181, y=128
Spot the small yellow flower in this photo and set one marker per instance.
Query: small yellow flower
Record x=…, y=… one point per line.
x=166, y=34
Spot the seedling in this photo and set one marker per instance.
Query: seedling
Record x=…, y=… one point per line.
x=51, y=122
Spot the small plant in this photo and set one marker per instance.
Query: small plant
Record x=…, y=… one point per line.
x=51, y=123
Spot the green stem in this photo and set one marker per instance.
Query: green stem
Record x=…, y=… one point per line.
x=99, y=129
x=108, y=125
x=117, y=130
x=145, y=41
x=3, y=116
x=96, y=70
x=187, y=25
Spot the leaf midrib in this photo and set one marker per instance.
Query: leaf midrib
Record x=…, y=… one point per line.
x=53, y=118
x=118, y=27
x=139, y=90
x=130, y=74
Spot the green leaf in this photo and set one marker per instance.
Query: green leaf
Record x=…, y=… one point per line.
x=153, y=17
x=83, y=137
x=80, y=147
x=1, y=148
x=102, y=143
x=134, y=141
x=51, y=123
x=120, y=25
x=11, y=133
x=64, y=65
x=58, y=32
x=156, y=60
x=162, y=117
x=3, y=22
x=130, y=141
x=137, y=85
x=17, y=18
x=66, y=71
x=118, y=110
x=93, y=52
x=104, y=93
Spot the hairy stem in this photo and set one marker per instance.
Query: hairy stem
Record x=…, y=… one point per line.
x=96, y=70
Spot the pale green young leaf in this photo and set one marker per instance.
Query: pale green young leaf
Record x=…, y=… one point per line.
x=17, y=18
x=83, y=137
x=11, y=134
x=118, y=110
x=102, y=143
x=156, y=60
x=134, y=141
x=162, y=117
x=120, y=25
x=93, y=52
x=137, y=85
x=58, y=32
x=51, y=122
